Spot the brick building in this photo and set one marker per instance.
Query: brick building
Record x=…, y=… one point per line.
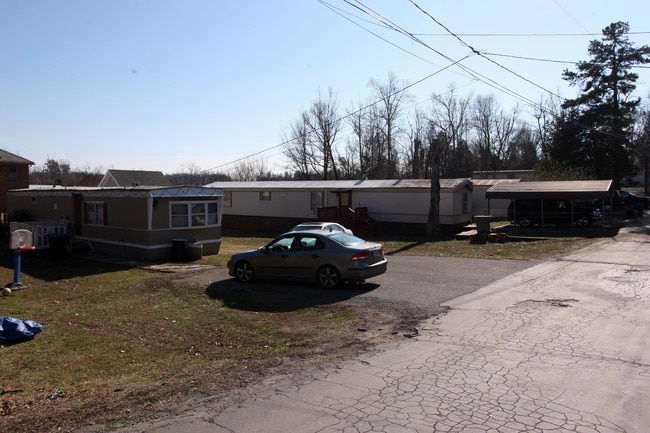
x=14, y=174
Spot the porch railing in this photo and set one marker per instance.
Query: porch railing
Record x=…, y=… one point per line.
x=356, y=219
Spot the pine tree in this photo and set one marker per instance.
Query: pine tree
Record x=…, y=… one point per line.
x=595, y=133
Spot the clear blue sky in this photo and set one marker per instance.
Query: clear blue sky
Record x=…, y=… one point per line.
x=164, y=84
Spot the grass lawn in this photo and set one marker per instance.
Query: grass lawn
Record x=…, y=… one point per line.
x=123, y=341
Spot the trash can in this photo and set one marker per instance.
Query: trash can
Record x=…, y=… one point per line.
x=483, y=223
x=195, y=251
x=179, y=247
x=58, y=244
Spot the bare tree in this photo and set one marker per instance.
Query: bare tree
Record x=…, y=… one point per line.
x=189, y=174
x=298, y=150
x=416, y=152
x=523, y=152
x=546, y=114
x=250, y=169
x=356, y=159
x=312, y=147
x=451, y=115
x=390, y=97
x=494, y=130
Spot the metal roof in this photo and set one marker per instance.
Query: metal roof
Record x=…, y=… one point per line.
x=568, y=190
x=117, y=191
x=492, y=182
x=343, y=185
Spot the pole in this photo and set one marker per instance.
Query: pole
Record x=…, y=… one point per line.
x=17, y=263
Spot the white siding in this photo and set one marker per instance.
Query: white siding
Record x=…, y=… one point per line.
x=284, y=203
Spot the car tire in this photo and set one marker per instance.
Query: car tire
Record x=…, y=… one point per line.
x=329, y=277
x=525, y=222
x=244, y=272
x=583, y=221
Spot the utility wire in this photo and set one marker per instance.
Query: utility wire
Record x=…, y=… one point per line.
x=477, y=52
x=530, y=58
x=389, y=24
x=570, y=16
x=340, y=13
x=520, y=35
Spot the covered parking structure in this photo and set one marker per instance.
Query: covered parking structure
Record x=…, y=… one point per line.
x=571, y=191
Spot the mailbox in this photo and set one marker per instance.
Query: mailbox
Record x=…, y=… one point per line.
x=22, y=239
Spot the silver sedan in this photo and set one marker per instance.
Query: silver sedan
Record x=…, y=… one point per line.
x=329, y=258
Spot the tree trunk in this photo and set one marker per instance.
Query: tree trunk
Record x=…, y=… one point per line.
x=433, y=222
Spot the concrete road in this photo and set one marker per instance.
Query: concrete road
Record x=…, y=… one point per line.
x=559, y=347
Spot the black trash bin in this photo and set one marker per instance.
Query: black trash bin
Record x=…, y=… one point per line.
x=179, y=250
x=194, y=251
x=58, y=244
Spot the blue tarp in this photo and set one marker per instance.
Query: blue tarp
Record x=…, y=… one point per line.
x=13, y=330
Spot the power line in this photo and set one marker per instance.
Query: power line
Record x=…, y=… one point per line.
x=474, y=50
x=530, y=58
x=391, y=25
x=548, y=60
x=340, y=13
x=519, y=35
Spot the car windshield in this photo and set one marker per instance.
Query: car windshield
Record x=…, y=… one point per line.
x=346, y=239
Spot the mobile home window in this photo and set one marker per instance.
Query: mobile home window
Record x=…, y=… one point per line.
x=194, y=214
x=227, y=199
x=465, y=200
x=265, y=195
x=95, y=213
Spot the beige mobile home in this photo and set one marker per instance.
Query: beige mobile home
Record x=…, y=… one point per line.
x=141, y=223
x=385, y=204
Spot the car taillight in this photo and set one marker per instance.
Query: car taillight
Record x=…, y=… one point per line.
x=361, y=255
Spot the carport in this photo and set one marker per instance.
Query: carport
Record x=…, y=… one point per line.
x=571, y=190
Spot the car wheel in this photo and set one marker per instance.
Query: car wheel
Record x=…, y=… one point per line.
x=583, y=221
x=329, y=277
x=244, y=272
x=525, y=222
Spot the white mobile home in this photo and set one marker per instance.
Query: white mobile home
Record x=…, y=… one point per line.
x=383, y=204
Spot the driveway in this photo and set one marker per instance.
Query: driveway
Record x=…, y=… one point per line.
x=558, y=347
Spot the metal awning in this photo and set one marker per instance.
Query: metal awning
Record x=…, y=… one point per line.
x=567, y=190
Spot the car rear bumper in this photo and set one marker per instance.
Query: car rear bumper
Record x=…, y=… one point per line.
x=366, y=272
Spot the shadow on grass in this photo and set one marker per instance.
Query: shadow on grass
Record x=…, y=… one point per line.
x=43, y=266
x=266, y=296
x=406, y=247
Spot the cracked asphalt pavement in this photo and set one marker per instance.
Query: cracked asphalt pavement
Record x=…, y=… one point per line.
x=559, y=347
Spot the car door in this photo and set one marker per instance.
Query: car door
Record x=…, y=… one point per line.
x=306, y=255
x=276, y=259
